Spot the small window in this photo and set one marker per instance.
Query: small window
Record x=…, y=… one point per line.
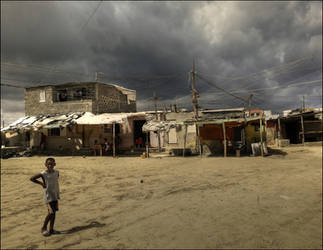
x=172, y=136
x=83, y=92
x=42, y=96
x=107, y=129
x=54, y=132
x=77, y=94
x=62, y=95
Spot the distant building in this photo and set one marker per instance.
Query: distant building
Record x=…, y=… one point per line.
x=93, y=97
x=223, y=113
x=73, y=116
x=296, y=126
x=178, y=132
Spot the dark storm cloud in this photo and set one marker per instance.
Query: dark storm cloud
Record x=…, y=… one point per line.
x=126, y=40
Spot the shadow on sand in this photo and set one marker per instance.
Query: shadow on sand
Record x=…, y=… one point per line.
x=80, y=228
x=276, y=151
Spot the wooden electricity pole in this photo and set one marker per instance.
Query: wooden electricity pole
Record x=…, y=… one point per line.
x=156, y=115
x=249, y=104
x=261, y=141
x=155, y=103
x=195, y=95
x=303, y=132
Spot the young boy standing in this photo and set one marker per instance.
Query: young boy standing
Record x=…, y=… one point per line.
x=51, y=194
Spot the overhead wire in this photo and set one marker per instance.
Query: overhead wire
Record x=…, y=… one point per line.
x=290, y=85
x=90, y=17
x=272, y=72
x=82, y=28
x=305, y=58
x=111, y=78
x=212, y=84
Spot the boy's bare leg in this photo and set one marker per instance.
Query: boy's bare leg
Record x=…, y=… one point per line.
x=44, y=228
x=47, y=219
x=52, y=221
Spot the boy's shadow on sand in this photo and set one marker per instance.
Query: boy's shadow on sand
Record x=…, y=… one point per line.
x=80, y=228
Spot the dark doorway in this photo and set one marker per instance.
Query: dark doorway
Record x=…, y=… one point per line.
x=139, y=136
x=117, y=129
x=292, y=131
x=27, y=138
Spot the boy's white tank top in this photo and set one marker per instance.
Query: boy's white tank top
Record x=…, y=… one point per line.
x=51, y=192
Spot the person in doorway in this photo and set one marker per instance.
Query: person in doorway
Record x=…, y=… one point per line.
x=118, y=142
x=106, y=146
x=42, y=144
x=51, y=194
x=97, y=147
x=139, y=142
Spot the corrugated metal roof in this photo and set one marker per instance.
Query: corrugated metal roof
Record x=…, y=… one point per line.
x=55, y=121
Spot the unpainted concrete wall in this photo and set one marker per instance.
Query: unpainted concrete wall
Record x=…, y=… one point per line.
x=252, y=135
x=180, y=131
x=34, y=107
x=106, y=99
x=271, y=132
x=111, y=100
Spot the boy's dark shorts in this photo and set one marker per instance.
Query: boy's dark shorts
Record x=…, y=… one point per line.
x=53, y=205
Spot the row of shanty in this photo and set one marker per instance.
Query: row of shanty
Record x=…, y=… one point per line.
x=224, y=132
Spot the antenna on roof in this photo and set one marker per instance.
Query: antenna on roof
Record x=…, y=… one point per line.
x=97, y=75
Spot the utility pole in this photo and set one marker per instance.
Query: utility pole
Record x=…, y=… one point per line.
x=303, y=102
x=155, y=103
x=195, y=95
x=249, y=104
x=165, y=112
x=158, y=132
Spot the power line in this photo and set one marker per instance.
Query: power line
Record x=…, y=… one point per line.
x=265, y=70
x=82, y=28
x=277, y=87
x=97, y=7
x=212, y=84
x=272, y=72
x=41, y=68
x=115, y=78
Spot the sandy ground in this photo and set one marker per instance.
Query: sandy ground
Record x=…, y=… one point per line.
x=193, y=202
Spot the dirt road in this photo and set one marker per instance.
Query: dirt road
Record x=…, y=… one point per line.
x=193, y=202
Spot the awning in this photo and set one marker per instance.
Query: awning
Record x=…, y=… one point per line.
x=106, y=118
x=81, y=118
x=154, y=125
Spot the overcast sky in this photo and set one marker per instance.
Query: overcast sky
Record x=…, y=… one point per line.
x=259, y=48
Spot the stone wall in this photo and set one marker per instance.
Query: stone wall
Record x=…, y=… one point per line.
x=33, y=106
x=101, y=98
x=111, y=100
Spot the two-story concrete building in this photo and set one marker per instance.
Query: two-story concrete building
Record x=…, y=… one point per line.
x=94, y=97
x=73, y=116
